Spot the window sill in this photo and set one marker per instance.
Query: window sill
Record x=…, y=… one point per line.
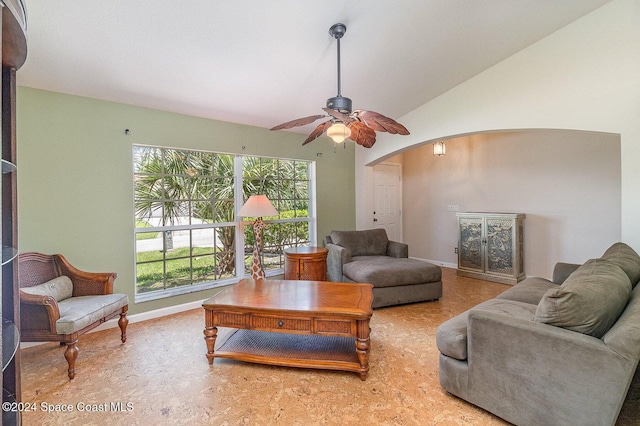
x=177, y=291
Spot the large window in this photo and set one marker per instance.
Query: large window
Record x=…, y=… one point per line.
x=286, y=185
x=187, y=233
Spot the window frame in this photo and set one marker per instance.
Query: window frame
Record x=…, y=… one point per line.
x=238, y=223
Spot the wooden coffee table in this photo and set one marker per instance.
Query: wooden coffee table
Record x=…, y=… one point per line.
x=307, y=324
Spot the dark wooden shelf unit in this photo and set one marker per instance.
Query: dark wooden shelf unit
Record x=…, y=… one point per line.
x=14, y=54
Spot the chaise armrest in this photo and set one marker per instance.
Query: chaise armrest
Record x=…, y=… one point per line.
x=562, y=271
x=37, y=310
x=396, y=249
x=86, y=283
x=336, y=257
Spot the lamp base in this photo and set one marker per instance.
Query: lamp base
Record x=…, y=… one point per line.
x=257, y=273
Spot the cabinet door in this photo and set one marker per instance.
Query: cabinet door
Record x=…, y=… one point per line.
x=499, y=249
x=470, y=245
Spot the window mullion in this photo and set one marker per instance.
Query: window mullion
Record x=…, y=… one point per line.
x=238, y=200
x=313, y=223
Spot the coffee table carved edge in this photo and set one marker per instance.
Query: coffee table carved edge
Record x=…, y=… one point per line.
x=305, y=324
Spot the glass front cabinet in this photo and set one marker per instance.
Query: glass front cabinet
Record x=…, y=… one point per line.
x=491, y=246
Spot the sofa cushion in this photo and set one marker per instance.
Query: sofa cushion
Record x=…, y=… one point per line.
x=589, y=301
x=624, y=336
x=531, y=290
x=385, y=271
x=60, y=288
x=79, y=312
x=371, y=242
x=626, y=258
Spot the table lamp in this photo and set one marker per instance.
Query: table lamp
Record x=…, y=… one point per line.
x=257, y=206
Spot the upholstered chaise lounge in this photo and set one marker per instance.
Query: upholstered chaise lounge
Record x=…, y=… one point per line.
x=58, y=302
x=370, y=257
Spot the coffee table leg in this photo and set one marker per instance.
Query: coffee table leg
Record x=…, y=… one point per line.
x=363, y=343
x=210, y=334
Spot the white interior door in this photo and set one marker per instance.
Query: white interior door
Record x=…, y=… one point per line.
x=387, y=199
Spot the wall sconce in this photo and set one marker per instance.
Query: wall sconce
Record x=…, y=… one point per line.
x=439, y=149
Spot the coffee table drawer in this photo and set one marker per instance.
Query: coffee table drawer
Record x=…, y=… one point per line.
x=229, y=319
x=266, y=322
x=336, y=327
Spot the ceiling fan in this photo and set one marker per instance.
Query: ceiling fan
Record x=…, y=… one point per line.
x=358, y=125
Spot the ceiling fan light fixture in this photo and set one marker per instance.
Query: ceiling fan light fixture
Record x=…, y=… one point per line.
x=343, y=122
x=338, y=132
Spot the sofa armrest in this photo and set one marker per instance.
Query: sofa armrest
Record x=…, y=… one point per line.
x=336, y=257
x=396, y=249
x=562, y=271
x=517, y=365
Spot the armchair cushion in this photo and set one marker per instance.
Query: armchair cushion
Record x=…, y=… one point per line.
x=60, y=288
x=79, y=312
x=372, y=242
x=590, y=300
x=381, y=273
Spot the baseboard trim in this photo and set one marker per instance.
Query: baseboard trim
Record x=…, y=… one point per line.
x=437, y=262
x=143, y=316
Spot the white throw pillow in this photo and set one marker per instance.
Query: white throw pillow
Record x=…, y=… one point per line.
x=59, y=288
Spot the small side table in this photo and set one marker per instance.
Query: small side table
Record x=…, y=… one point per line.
x=305, y=263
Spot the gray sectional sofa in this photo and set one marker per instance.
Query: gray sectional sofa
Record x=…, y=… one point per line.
x=560, y=352
x=368, y=256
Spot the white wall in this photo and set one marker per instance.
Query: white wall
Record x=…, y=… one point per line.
x=566, y=182
x=585, y=76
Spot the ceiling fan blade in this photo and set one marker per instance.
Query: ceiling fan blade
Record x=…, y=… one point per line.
x=337, y=114
x=322, y=127
x=297, y=122
x=380, y=122
x=362, y=134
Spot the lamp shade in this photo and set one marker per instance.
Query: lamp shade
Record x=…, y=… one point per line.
x=439, y=149
x=258, y=206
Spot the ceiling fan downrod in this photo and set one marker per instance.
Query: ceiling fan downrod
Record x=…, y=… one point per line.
x=339, y=102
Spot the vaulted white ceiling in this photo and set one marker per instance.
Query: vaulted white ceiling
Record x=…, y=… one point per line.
x=265, y=62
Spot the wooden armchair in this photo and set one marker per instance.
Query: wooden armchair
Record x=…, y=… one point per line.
x=58, y=302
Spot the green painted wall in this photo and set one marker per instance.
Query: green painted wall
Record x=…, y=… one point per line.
x=75, y=188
